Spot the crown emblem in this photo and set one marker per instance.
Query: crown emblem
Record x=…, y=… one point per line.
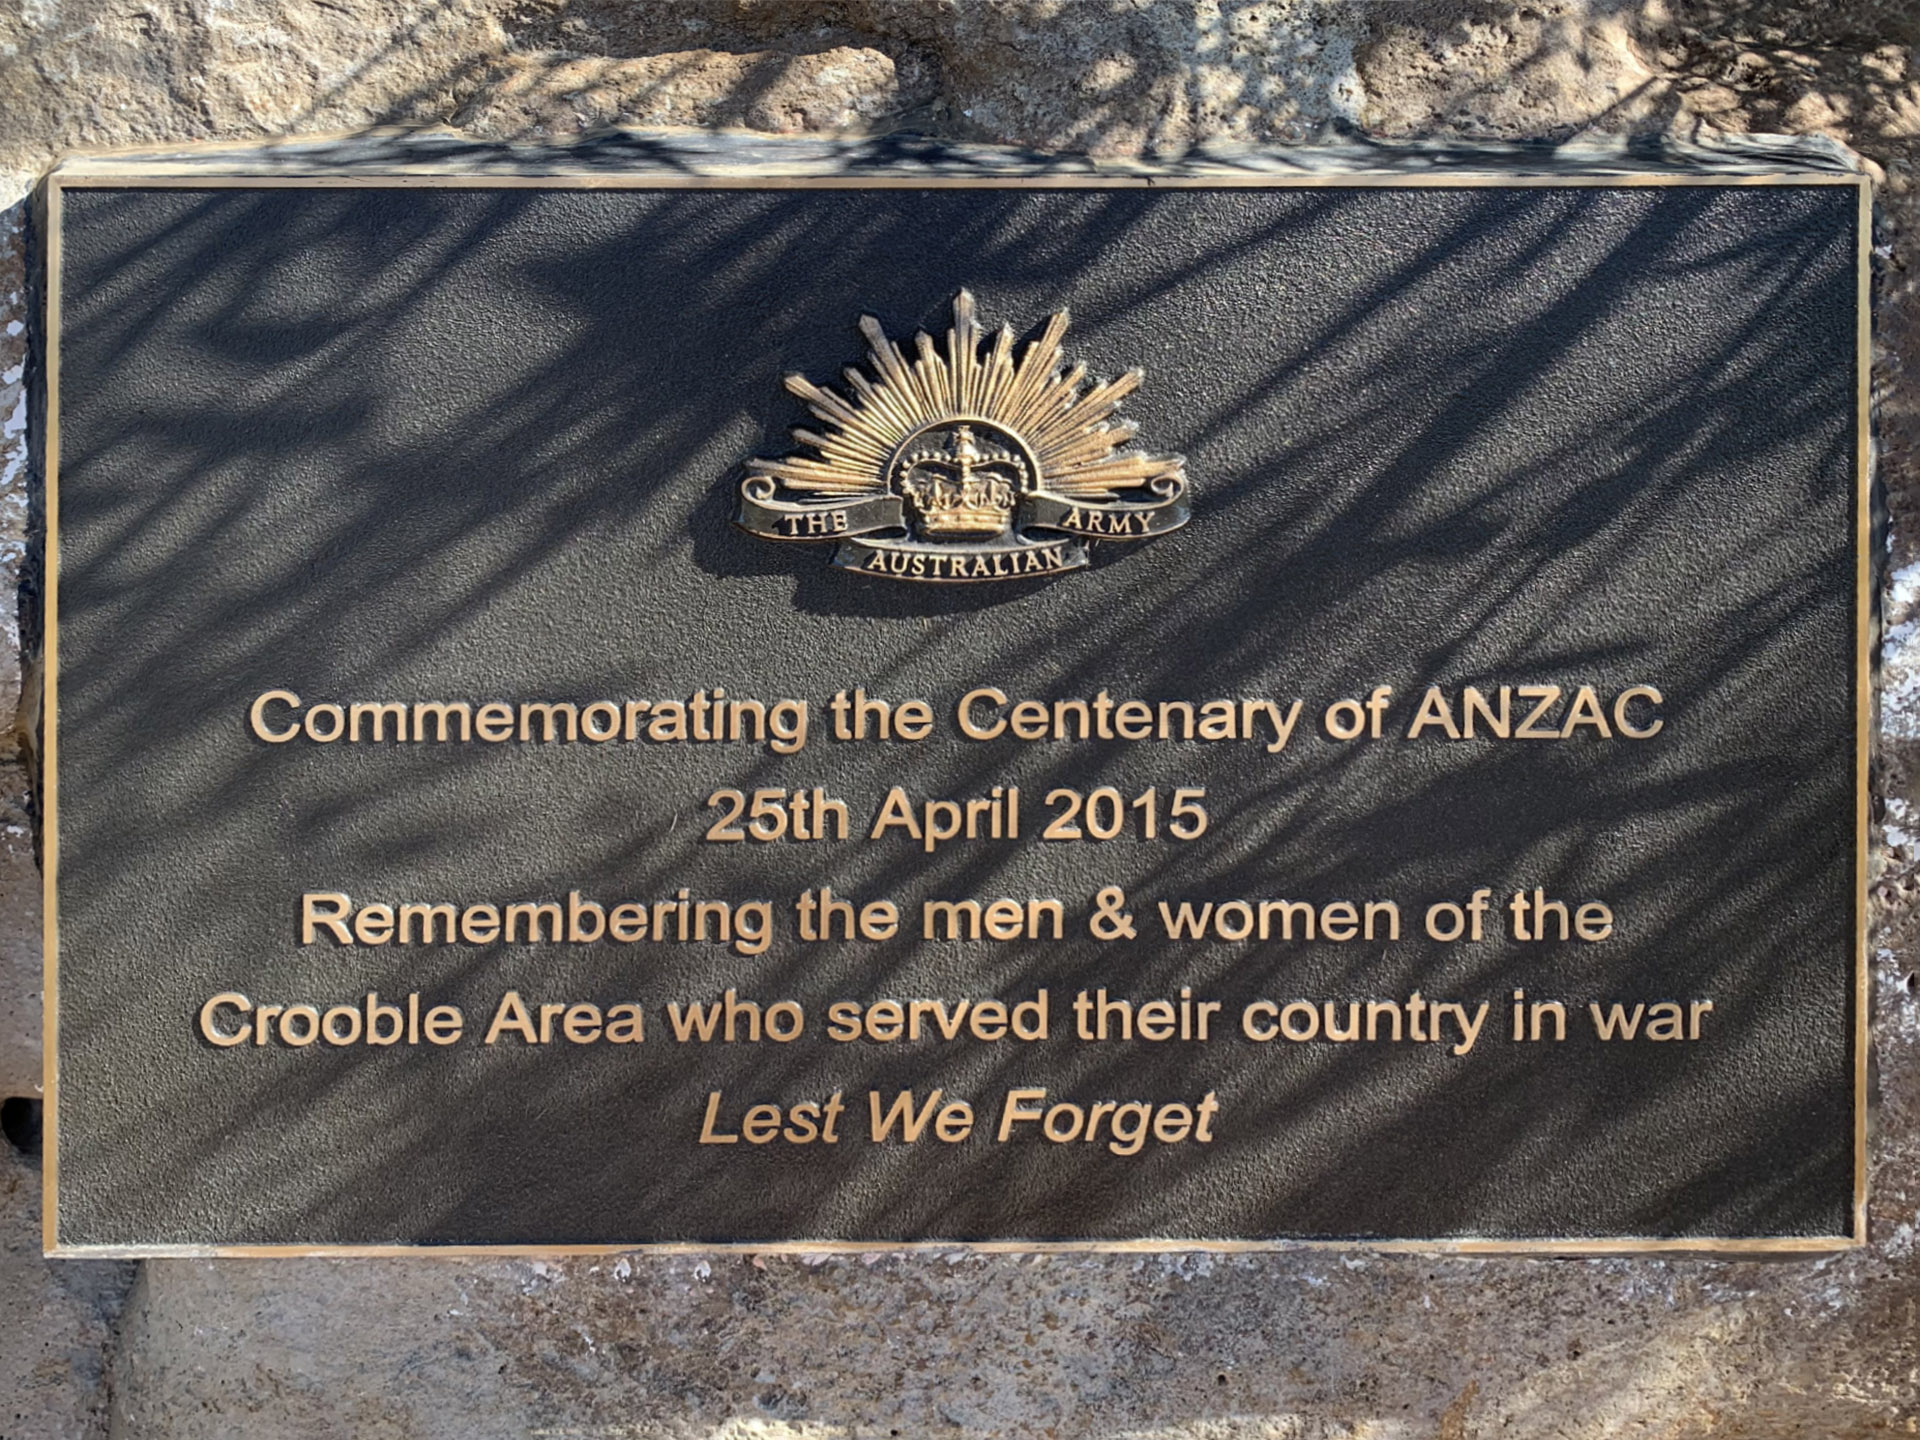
x=965, y=463
x=959, y=487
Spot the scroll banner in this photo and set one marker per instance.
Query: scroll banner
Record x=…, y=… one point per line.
x=811, y=520
x=1112, y=520
x=913, y=560
x=1014, y=557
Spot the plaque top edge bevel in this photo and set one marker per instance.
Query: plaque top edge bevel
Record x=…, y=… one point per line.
x=645, y=157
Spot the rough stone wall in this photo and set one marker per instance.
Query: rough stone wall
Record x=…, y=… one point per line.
x=1303, y=1344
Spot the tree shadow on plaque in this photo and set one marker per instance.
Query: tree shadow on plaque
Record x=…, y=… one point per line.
x=363, y=445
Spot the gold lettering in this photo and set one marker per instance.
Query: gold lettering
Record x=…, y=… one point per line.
x=1434, y=710
x=1636, y=692
x=231, y=999
x=512, y=1015
x=708, y=1135
x=1549, y=696
x=441, y=713
x=335, y=919
x=256, y=717
x=378, y=711
x=968, y=727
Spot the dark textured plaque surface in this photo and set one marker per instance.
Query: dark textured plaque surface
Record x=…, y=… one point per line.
x=470, y=443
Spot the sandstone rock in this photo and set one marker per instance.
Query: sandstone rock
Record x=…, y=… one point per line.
x=1190, y=1346
x=56, y=1322
x=1113, y=78
x=842, y=89
x=1125, y=79
x=1551, y=69
x=19, y=945
x=101, y=73
x=19, y=878
x=1303, y=1344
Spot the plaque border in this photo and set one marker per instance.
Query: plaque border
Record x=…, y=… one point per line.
x=1783, y=161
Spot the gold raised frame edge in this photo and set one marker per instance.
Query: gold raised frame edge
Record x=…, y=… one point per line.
x=1864, y=698
x=160, y=177
x=157, y=175
x=47, y=808
x=1598, y=1248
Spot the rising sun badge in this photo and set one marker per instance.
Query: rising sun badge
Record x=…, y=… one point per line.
x=967, y=465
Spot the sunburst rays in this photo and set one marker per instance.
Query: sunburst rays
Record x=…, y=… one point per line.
x=1072, y=433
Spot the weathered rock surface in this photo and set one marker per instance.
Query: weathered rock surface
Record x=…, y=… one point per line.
x=19, y=949
x=19, y=878
x=1300, y=1345
x=1295, y=1345
x=56, y=1322
x=844, y=88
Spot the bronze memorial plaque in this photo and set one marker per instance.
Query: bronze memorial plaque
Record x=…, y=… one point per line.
x=685, y=693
